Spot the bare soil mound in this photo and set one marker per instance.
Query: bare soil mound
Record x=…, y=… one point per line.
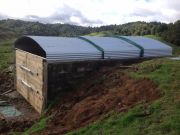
x=6, y=82
x=103, y=91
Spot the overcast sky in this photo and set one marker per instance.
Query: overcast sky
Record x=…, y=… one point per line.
x=91, y=12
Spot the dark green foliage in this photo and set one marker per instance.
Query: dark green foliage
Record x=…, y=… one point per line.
x=169, y=32
x=6, y=54
x=20, y=27
x=173, y=33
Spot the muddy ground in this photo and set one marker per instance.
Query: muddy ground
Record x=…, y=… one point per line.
x=29, y=115
x=102, y=91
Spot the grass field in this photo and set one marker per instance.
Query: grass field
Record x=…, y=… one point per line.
x=6, y=54
x=102, y=33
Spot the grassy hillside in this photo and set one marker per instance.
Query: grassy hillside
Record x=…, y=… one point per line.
x=102, y=33
x=163, y=114
x=6, y=34
x=6, y=54
x=160, y=117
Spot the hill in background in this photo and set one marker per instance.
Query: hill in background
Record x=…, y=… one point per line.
x=14, y=28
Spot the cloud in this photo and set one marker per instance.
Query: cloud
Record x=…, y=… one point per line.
x=92, y=12
x=155, y=10
x=172, y=4
x=2, y=16
x=65, y=14
x=142, y=12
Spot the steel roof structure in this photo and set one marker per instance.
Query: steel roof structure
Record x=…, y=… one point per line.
x=92, y=48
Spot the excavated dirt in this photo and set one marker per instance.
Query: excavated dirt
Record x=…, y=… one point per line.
x=104, y=91
x=19, y=123
x=6, y=82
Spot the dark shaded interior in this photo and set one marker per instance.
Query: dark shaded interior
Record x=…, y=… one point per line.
x=29, y=45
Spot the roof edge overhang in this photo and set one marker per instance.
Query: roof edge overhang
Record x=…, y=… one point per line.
x=26, y=43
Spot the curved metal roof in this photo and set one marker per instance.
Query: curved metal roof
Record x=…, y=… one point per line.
x=151, y=46
x=56, y=45
x=115, y=48
x=148, y=43
x=91, y=48
x=111, y=44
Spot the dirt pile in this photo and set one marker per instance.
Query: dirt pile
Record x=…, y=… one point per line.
x=15, y=125
x=6, y=82
x=106, y=90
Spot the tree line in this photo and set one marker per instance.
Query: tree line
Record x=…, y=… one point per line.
x=169, y=32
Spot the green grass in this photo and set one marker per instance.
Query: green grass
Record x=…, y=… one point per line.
x=165, y=112
x=102, y=33
x=6, y=54
x=176, y=50
x=154, y=37
x=37, y=127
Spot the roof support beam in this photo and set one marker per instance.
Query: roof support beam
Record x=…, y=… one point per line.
x=132, y=43
x=92, y=43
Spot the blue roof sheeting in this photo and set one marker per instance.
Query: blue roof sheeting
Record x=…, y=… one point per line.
x=152, y=48
x=115, y=48
x=91, y=47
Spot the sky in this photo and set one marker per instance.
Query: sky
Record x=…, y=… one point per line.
x=91, y=12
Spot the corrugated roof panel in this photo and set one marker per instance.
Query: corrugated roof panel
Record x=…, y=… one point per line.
x=94, y=48
x=67, y=48
x=148, y=43
x=152, y=48
x=56, y=45
x=112, y=46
